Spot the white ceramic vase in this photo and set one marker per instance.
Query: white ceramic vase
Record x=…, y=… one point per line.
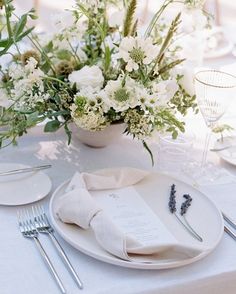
x=103, y=138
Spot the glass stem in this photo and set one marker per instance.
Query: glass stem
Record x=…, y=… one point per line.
x=206, y=145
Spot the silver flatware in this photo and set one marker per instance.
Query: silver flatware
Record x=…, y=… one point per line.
x=222, y=148
x=25, y=170
x=28, y=230
x=229, y=220
x=230, y=232
x=43, y=226
x=227, y=228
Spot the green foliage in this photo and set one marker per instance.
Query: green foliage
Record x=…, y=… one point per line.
x=15, y=31
x=182, y=101
x=52, y=126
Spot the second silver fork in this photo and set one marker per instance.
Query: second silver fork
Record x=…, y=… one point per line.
x=43, y=226
x=28, y=230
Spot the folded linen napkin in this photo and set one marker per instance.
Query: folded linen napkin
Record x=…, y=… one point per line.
x=77, y=206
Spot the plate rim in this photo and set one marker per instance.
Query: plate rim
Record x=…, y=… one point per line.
x=30, y=201
x=220, y=53
x=135, y=265
x=226, y=158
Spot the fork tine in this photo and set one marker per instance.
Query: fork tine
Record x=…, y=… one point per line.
x=44, y=216
x=40, y=212
x=37, y=215
x=20, y=221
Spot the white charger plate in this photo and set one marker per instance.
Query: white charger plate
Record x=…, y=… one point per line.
x=203, y=215
x=229, y=155
x=22, y=188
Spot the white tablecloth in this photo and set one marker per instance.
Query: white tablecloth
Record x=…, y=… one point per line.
x=22, y=271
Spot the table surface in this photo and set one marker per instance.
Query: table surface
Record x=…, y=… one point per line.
x=23, y=271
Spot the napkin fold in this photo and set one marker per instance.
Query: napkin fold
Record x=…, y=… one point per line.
x=77, y=206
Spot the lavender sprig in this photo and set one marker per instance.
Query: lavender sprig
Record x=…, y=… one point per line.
x=186, y=204
x=183, y=210
x=172, y=201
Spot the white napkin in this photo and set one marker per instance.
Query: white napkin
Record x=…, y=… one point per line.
x=77, y=206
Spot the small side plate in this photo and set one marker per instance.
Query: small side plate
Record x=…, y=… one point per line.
x=24, y=188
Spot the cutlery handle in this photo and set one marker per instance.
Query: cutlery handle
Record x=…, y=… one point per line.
x=25, y=170
x=66, y=260
x=229, y=221
x=50, y=265
x=230, y=232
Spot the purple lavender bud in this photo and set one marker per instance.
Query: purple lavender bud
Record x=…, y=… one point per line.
x=172, y=201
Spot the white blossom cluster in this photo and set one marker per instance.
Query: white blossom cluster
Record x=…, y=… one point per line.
x=93, y=101
x=28, y=87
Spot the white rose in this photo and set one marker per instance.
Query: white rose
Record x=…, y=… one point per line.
x=87, y=77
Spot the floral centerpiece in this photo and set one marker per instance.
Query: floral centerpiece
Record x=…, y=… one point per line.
x=97, y=69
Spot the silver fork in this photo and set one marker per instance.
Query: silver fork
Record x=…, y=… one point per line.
x=43, y=226
x=28, y=230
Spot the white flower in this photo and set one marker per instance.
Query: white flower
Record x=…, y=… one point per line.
x=136, y=51
x=92, y=4
x=94, y=99
x=139, y=124
x=121, y=97
x=87, y=77
x=165, y=90
x=62, y=20
x=28, y=86
x=91, y=121
x=16, y=71
x=4, y=100
x=116, y=19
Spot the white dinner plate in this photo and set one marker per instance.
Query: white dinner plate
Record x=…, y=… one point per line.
x=22, y=188
x=228, y=155
x=203, y=215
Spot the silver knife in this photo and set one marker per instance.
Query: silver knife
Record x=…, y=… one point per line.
x=25, y=170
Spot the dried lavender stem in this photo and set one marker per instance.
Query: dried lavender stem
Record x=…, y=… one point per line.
x=184, y=207
x=188, y=228
x=191, y=228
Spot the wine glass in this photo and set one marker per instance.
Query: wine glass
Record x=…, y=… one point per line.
x=214, y=92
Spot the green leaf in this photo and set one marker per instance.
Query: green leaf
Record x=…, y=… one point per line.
x=24, y=34
x=149, y=151
x=64, y=54
x=49, y=47
x=52, y=126
x=68, y=133
x=4, y=42
x=20, y=25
